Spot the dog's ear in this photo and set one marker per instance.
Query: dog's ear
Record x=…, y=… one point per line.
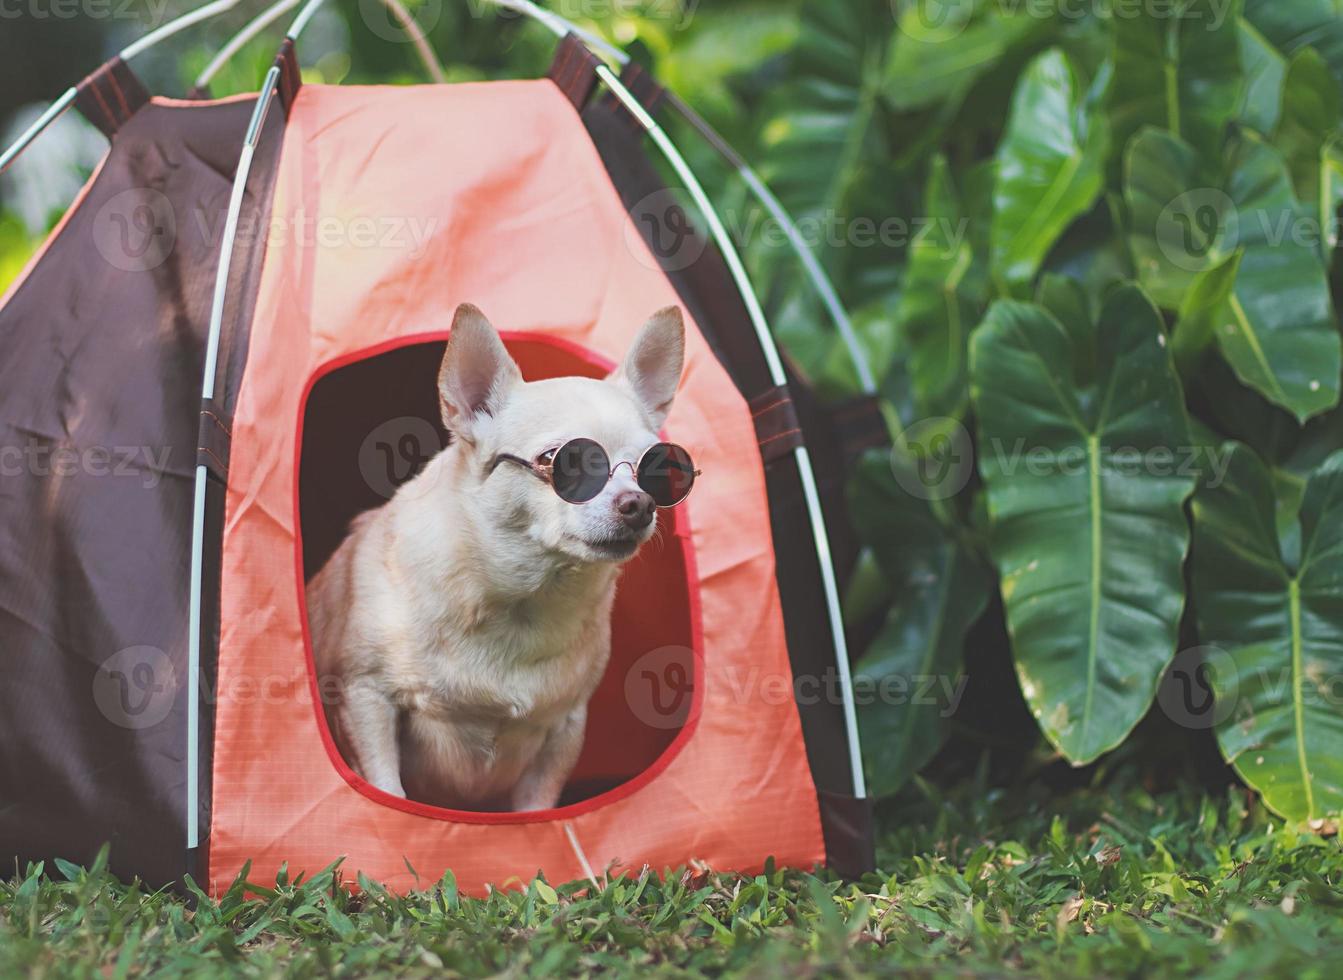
x=652, y=368
x=476, y=375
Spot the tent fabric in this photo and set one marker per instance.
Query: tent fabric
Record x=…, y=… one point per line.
x=706, y=287
x=526, y=225
x=370, y=213
x=103, y=338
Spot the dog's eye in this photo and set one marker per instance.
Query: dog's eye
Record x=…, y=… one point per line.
x=546, y=458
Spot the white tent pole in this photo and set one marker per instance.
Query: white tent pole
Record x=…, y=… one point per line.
x=777, y=375
x=195, y=626
x=236, y=43
x=53, y=112
x=261, y=21
x=758, y=188
x=411, y=26
x=67, y=98
x=819, y=280
x=560, y=27
x=174, y=26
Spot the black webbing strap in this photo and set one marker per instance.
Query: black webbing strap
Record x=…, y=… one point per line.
x=574, y=70
x=110, y=96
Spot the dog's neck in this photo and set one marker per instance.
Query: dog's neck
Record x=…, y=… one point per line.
x=442, y=537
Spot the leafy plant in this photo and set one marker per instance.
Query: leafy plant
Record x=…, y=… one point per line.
x=1124, y=310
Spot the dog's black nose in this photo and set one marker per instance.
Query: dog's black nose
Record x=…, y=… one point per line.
x=636, y=508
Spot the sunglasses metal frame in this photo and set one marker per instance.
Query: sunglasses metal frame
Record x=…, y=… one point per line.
x=546, y=471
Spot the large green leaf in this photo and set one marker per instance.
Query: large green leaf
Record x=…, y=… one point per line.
x=910, y=680
x=1290, y=25
x=1050, y=165
x=1265, y=68
x=1178, y=69
x=700, y=58
x=825, y=151
x=1204, y=308
x=941, y=47
x=1291, y=451
x=823, y=127
x=1280, y=621
x=942, y=299
x=1093, y=252
x=1278, y=333
x=1308, y=137
x=1086, y=504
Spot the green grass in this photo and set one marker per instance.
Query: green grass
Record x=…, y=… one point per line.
x=1094, y=882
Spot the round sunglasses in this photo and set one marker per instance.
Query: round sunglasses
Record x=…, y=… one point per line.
x=580, y=469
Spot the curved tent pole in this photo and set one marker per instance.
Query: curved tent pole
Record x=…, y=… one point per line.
x=778, y=376
x=261, y=21
x=810, y=264
x=560, y=26
x=236, y=43
x=67, y=98
x=557, y=25
x=759, y=189
x=269, y=86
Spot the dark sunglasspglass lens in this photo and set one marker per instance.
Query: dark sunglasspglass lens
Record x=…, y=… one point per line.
x=666, y=474
x=581, y=469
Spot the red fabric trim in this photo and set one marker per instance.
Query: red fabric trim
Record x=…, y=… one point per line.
x=471, y=816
